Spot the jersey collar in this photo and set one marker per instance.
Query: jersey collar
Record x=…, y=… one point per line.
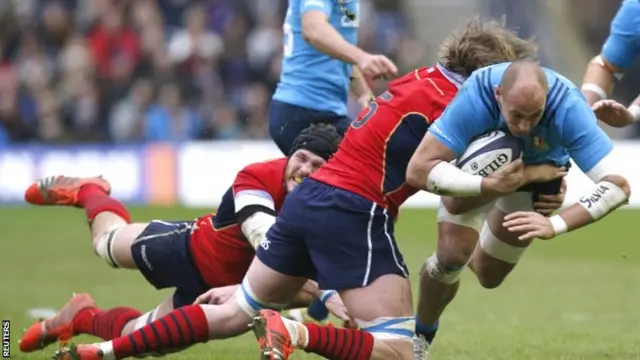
x=453, y=77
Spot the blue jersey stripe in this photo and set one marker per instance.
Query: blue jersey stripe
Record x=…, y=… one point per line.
x=558, y=101
x=553, y=91
x=481, y=88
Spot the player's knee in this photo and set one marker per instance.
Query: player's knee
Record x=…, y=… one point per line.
x=498, y=249
x=391, y=328
x=444, y=273
x=103, y=245
x=250, y=303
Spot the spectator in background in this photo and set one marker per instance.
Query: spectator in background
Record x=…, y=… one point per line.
x=169, y=119
x=127, y=117
x=86, y=70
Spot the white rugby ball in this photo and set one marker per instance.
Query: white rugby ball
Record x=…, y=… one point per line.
x=490, y=152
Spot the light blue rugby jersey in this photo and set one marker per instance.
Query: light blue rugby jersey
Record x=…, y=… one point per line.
x=310, y=78
x=623, y=44
x=568, y=127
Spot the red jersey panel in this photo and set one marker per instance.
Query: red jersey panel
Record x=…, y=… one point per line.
x=373, y=156
x=220, y=251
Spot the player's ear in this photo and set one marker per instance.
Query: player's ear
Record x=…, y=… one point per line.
x=496, y=91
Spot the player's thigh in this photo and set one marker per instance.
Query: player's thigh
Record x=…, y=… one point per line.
x=114, y=244
x=458, y=234
x=282, y=264
x=162, y=254
x=500, y=250
x=354, y=251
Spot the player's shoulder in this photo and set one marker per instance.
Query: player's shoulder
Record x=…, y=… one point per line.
x=266, y=175
x=432, y=81
x=266, y=167
x=562, y=92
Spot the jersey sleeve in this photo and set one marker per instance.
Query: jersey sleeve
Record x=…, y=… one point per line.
x=471, y=113
x=585, y=141
x=249, y=189
x=622, y=46
x=321, y=5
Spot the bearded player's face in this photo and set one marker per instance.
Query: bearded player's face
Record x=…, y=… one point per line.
x=301, y=164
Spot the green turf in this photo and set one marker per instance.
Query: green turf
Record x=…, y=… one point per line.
x=574, y=297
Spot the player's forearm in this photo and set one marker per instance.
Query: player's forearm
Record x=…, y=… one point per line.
x=442, y=178
x=610, y=193
x=322, y=36
x=598, y=82
x=359, y=87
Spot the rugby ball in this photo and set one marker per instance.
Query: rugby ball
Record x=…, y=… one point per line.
x=490, y=152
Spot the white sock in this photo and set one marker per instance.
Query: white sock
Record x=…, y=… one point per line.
x=107, y=350
x=294, y=327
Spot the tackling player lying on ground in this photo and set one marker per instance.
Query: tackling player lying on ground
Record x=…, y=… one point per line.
x=320, y=64
x=338, y=227
x=190, y=256
x=620, y=50
x=550, y=116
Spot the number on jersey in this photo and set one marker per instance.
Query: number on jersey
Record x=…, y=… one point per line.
x=370, y=110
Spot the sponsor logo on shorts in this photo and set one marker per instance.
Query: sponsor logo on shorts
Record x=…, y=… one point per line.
x=6, y=339
x=265, y=243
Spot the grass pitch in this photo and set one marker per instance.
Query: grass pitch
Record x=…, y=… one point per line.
x=574, y=297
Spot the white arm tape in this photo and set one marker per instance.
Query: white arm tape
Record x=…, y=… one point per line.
x=256, y=226
x=595, y=88
x=635, y=111
x=605, y=167
x=558, y=224
x=602, y=199
x=253, y=197
x=446, y=179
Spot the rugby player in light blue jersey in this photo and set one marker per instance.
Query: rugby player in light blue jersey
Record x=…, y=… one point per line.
x=318, y=63
x=620, y=50
x=551, y=117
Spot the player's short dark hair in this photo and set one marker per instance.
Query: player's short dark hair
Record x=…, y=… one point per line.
x=320, y=138
x=479, y=44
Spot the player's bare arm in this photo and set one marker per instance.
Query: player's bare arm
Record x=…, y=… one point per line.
x=430, y=169
x=317, y=31
x=609, y=193
x=532, y=174
x=599, y=80
x=360, y=88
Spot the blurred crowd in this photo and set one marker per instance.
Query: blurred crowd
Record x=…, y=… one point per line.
x=154, y=70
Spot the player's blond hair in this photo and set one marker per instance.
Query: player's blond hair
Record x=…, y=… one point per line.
x=479, y=44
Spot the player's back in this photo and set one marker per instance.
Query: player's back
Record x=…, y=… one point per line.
x=310, y=78
x=374, y=154
x=217, y=240
x=548, y=141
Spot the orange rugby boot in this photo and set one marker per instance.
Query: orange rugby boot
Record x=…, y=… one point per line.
x=79, y=352
x=61, y=190
x=273, y=336
x=60, y=327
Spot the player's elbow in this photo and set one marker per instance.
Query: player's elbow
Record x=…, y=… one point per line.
x=620, y=182
x=417, y=173
x=454, y=206
x=312, y=28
